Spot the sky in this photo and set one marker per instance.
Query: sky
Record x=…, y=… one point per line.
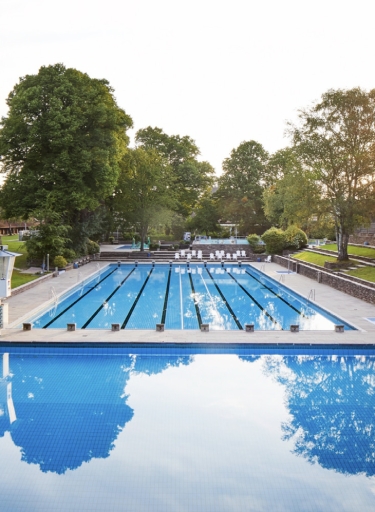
x=221, y=72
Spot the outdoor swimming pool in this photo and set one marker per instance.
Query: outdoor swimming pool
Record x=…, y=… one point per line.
x=168, y=429
x=182, y=296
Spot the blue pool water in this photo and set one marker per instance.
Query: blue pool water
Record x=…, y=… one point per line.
x=131, y=246
x=222, y=241
x=187, y=429
x=181, y=297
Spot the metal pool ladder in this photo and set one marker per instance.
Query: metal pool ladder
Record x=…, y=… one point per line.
x=53, y=295
x=311, y=295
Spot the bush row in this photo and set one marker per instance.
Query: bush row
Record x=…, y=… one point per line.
x=275, y=240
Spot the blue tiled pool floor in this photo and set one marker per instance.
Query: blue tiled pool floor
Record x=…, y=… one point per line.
x=183, y=297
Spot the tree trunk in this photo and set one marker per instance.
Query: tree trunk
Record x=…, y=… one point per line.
x=342, y=245
x=143, y=231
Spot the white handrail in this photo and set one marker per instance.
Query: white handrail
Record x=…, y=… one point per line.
x=311, y=295
x=53, y=294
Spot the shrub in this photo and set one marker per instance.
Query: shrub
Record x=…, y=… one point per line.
x=153, y=247
x=274, y=239
x=256, y=244
x=259, y=249
x=295, y=238
x=69, y=254
x=60, y=262
x=127, y=235
x=253, y=240
x=92, y=247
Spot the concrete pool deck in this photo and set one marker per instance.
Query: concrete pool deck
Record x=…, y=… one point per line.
x=350, y=309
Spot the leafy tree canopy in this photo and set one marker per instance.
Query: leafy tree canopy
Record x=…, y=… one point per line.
x=294, y=197
x=241, y=185
x=191, y=177
x=206, y=216
x=61, y=143
x=336, y=142
x=144, y=194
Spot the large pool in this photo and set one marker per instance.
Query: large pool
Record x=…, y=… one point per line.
x=168, y=429
x=184, y=296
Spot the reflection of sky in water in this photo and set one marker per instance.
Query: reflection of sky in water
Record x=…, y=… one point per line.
x=203, y=432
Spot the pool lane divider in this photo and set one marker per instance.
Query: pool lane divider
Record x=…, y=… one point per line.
x=197, y=310
x=124, y=323
x=106, y=300
x=226, y=302
x=277, y=295
x=164, y=314
x=81, y=297
x=255, y=301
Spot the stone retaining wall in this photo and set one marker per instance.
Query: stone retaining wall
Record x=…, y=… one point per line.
x=343, y=284
x=369, y=261
x=356, y=280
x=31, y=284
x=360, y=238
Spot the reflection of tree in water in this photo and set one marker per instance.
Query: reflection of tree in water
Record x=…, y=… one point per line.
x=249, y=359
x=152, y=365
x=71, y=409
x=331, y=402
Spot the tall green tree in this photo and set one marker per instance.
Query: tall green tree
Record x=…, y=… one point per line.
x=241, y=185
x=144, y=194
x=335, y=139
x=61, y=144
x=294, y=197
x=205, y=218
x=191, y=177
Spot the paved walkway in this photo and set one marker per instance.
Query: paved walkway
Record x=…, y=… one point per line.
x=348, y=308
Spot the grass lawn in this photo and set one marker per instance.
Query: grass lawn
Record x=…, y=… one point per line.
x=312, y=257
x=14, y=245
x=367, y=273
x=367, y=252
x=18, y=279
